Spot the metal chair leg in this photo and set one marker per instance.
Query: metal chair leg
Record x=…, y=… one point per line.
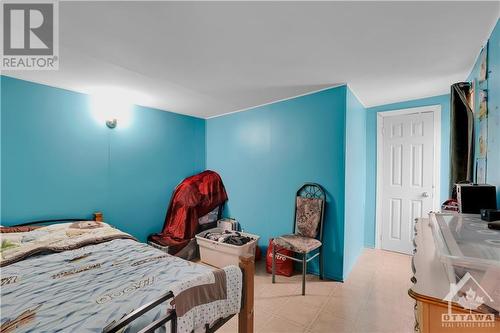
x=274, y=262
x=321, y=267
x=304, y=271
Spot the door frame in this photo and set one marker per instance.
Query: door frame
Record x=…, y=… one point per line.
x=436, y=110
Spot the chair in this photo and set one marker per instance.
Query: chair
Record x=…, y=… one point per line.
x=307, y=229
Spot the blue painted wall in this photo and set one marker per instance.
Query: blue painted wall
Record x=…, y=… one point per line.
x=492, y=85
x=58, y=161
x=355, y=180
x=263, y=155
x=266, y=153
x=371, y=154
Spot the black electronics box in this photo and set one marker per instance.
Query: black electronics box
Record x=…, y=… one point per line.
x=473, y=197
x=490, y=215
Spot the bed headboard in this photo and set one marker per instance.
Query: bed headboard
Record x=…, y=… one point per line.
x=97, y=216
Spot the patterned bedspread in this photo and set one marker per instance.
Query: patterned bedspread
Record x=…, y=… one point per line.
x=54, y=238
x=85, y=289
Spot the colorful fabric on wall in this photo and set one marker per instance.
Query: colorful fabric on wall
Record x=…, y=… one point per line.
x=193, y=198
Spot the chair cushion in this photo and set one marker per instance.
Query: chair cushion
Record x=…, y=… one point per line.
x=297, y=243
x=308, y=216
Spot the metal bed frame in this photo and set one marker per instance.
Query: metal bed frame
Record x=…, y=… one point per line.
x=245, y=316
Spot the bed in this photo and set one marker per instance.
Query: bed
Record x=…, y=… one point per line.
x=86, y=276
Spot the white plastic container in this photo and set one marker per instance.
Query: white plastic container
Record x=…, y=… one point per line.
x=465, y=244
x=221, y=254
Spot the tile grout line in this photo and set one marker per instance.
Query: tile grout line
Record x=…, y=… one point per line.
x=381, y=273
x=322, y=307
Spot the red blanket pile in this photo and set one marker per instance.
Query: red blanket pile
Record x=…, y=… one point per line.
x=195, y=197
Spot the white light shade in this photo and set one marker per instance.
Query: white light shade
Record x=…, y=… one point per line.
x=110, y=104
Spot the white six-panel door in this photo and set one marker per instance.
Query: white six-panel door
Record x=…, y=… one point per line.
x=407, y=177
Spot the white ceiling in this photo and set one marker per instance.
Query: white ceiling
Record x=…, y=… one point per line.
x=206, y=59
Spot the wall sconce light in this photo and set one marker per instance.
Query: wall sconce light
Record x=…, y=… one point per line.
x=110, y=105
x=111, y=123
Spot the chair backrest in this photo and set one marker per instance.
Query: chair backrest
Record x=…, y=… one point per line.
x=209, y=221
x=309, y=211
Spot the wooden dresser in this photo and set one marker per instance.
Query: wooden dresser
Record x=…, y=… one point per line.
x=431, y=285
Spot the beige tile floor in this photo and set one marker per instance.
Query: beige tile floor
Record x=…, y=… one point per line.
x=373, y=299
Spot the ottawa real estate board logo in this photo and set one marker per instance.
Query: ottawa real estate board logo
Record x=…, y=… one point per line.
x=30, y=35
x=470, y=295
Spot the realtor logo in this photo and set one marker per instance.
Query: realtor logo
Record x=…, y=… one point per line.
x=30, y=35
x=469, y=294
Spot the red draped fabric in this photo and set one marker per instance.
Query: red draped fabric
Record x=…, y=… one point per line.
x=195, y=197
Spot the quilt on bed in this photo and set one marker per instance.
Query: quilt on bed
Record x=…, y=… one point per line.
x=54, y=238
x=86, y=289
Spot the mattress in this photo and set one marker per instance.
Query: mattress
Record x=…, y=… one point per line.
x=85, y=289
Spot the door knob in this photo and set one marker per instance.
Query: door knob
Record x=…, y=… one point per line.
x=425, y=195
